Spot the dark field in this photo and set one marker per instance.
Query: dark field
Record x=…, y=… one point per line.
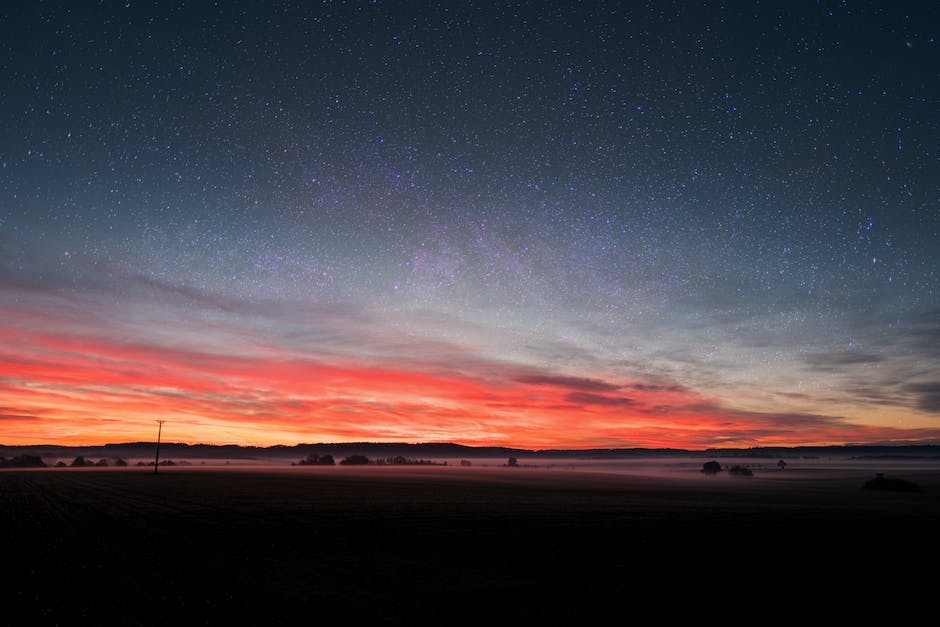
x=459, y=546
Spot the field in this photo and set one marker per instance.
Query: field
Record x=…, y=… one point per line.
x=449, y=545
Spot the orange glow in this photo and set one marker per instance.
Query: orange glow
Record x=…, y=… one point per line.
x=61, y=388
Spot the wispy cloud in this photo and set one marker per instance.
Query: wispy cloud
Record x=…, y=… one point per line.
x=928, y=395
x=588, y=398
x=89, y=366
x=834, y=360
x=571, y=383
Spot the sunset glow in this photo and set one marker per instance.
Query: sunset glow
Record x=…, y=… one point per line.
x=243, y=381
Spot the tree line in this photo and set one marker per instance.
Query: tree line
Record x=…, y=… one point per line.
x=313, y=459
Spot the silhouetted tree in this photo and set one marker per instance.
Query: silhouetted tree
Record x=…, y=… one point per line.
x=711, y=468
x=60, y=464
x=22, y=461
x=741, y=471
x=120, y=462
x=512, y=462
x=781, y=464
x=316, y=460
x=355, y=460
x=79, y=462
x=102, y=462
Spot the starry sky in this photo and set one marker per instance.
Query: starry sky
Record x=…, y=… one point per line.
x=542, y=224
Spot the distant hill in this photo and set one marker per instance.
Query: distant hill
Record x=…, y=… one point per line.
x=283, y=453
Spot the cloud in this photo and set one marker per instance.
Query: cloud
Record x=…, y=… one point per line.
x=587, y=398
x=835, y=360
x=284, y=394
x=656, y=387
x=6, y=415
x=924, y=333
x=568, y=382
x=90, y=366
x=929, y=395
x=166, y=290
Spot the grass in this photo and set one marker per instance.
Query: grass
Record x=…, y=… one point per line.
x=448, y=545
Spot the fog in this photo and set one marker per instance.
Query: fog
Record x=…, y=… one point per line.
x=680, y=468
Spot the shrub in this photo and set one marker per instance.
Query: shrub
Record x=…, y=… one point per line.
x=355, y=460
x=316, y=460
x=22, y=461
x=711, y=468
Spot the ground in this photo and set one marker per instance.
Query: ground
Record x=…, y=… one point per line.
x=383, y=545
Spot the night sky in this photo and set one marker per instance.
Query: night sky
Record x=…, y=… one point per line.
x=542, y=224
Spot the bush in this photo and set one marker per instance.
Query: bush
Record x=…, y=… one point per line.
x=22, y=461
x=401, y=460
x=711, y=468
x=316, y=460
x=355, y=460
x=741, y=471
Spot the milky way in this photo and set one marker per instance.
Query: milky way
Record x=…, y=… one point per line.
x=539, y=224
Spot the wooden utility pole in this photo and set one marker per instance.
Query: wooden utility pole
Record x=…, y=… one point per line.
x=156, y=461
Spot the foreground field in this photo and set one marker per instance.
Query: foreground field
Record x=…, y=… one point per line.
x=455, y=545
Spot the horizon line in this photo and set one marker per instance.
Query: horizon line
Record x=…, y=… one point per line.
x=477, y=447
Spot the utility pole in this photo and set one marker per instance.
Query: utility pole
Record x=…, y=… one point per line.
x=156, y=461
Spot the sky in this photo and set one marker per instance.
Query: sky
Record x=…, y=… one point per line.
x=539, y=224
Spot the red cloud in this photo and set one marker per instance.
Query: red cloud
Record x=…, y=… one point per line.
x=90, y=389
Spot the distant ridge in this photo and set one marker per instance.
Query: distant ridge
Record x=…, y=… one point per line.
x=455, y=451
